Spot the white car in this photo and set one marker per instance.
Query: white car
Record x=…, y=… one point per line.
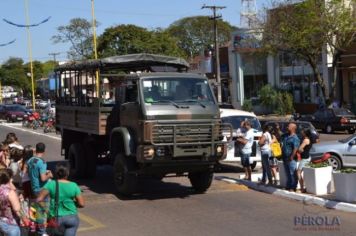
x=235, y=117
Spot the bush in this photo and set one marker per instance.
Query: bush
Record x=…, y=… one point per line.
x=247, y=106
x=280, y=102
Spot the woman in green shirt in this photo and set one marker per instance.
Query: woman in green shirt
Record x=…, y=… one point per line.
x=68, y=200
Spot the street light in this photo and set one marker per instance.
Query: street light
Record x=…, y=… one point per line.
x=95, y=47
x=29, y=44
x=27, y=26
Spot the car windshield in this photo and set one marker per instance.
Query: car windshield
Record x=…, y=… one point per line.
x=16, y=108
x=343, y=112
x=235, y=121
x=177, y=90
x=348, y=139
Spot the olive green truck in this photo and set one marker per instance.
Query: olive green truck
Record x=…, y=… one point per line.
x=144, y=115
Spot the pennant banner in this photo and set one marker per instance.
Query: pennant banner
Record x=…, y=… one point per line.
x=32, y=25
x=5, y=44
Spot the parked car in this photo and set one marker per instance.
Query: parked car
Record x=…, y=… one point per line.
x=235, y=117
x=333, y=119
x=13, y=113
x=342, y=152
x=300, y=126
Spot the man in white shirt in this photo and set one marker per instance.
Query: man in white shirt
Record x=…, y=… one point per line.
x=246, y=150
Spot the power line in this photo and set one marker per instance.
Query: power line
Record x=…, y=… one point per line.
x=215, y=17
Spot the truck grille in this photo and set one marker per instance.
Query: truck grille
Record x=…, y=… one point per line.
x=187, y=133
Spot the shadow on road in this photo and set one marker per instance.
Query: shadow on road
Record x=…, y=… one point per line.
x=148, y=189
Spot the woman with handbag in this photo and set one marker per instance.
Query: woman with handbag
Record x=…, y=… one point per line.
x=65, y=198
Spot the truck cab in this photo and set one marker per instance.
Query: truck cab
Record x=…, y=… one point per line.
x=143, y=123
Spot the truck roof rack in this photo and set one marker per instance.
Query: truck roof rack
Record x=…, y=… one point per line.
x=130, y=62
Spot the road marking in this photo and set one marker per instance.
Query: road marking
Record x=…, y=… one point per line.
x=30, y=131
x=94, y=224
x=222, y=186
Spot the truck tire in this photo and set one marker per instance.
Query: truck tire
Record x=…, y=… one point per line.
x=76, y=161
x=125, y=181
x=201, y=181
x=91, y=156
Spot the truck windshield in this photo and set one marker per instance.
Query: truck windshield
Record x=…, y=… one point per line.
x=177, y=91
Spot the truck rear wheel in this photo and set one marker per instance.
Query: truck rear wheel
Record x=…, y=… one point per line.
x=201, y=181
x=91, y=156
x=76, y=160
x=125, y=181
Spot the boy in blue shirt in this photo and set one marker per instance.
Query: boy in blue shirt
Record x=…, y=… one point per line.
x=39, y=175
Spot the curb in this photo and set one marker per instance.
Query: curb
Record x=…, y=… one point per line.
x=330, y=204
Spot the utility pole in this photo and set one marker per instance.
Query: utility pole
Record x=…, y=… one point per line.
x=215, y=17
x=54, y=55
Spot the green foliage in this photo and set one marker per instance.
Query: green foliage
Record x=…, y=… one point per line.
x=128, y=39
x=247, y=106
x=318, y=165
x=195, y=33
x=13, y=73
x=280, y=102
x=348, y=171
x=79, y=34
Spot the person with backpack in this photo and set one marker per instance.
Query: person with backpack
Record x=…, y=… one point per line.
x=304, y=150
x=265, y=142
x=276, y=152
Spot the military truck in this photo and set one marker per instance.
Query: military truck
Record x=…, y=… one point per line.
x=144, y=114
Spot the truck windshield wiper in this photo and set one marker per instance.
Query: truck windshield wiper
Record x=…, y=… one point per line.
x=167, y=101
x=191, y=100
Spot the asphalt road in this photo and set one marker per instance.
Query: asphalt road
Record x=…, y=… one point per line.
x=171, y=207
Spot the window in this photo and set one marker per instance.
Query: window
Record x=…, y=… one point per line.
x=178, y=90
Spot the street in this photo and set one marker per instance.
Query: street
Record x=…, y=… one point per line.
x=171, y=207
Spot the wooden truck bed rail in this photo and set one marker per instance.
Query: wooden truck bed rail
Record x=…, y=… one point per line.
x=91, y=120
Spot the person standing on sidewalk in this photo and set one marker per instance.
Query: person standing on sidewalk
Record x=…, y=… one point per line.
x=290, y=145
x=39, y=176
x=265, y=145
x=247, y=142
x=304, y=150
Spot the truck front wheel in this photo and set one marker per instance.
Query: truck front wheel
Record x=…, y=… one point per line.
x=125, y=180
x=76, y=160
x=201, y=181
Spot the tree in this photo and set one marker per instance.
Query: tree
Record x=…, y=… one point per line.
x=196, y=33
x=128, y=39
x=48, y=67
x=306, y=28
x=296, y=28
x=78, y=34
x=13, y=73
x=340, y=31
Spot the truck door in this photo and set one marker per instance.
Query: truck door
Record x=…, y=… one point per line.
x=130, y=108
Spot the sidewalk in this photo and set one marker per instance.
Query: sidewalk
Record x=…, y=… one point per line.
x=324, y=201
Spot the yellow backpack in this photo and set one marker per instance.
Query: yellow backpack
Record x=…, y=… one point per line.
x=276, y=150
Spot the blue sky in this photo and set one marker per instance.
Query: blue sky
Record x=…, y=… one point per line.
x=145, y=13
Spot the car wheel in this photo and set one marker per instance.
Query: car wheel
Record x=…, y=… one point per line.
x=335, y=162
x=328, y=129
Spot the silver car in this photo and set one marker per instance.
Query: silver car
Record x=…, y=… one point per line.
x=343, y=152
